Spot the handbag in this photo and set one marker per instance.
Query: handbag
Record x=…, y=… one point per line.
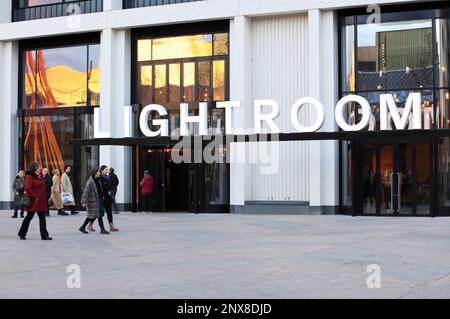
x=67, y=198
x=25, y=202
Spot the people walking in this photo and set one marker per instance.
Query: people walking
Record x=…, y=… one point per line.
x=19, y=189
x=55, y=197
x=66, y=188
x=147, y=192
x=48, y=187
x=114, y=180
x=93, y=200
x=35, y=191
x=106, y=187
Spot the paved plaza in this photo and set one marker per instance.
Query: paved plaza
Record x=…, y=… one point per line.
x=229, y=256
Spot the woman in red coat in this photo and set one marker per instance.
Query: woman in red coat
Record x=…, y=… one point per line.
x=147, y=191
x=35, y=190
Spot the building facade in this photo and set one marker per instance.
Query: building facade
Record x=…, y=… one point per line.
x=72, y=71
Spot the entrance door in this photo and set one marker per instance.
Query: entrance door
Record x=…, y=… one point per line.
x=394, y=179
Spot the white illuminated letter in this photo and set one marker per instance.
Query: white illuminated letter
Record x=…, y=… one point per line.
x=339, y=113
x=268, y=118
x=127, y=121
x=319, y=110
x=201, y=119
x=388, y=105
x=228, y=106
x=143, y=121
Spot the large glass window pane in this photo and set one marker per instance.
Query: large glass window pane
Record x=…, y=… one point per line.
x=348, y=59
x=144, y=49
x=29, y=98
x=443, y=109
x=182, y=47
x=219, y=80
x=174, y=82
x=160, y=83
x=221, y=44
x=395, y=55
x=32, y=3
x=204, y=73
x=94, y=75
x=62, y=77
x=146, y=84
x=46, y=141
x=443, y=172
x=189, y=82
x=443, y=51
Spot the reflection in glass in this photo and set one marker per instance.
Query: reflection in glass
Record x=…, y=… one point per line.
x=146, y=87
x=348, y=57
x=219, y=80
x=144, y=49
x=189, y=82
x=443, y=51
x=174, y=82
x=45, y=141
x=182, y=47
x=160, y=83
x=62, y=77
x=221, y=44
x=204, y=74
x=395, y=55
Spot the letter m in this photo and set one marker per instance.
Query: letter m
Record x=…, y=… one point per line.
x=387, y=104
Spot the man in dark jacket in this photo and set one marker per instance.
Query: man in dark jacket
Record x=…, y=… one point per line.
x=114, y=181
x=48, y=187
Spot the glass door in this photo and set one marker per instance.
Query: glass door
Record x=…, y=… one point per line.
x=395, y=179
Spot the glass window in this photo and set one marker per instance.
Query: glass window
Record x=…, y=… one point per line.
x=32, y=3
x=146, y=87
x=46, y=141
x=144, y=48
x=182, y=47
x=62, y=77
x=174, y=82
x=221, y=44
x=219, y=80
x=395, y=55
x=348, y=57
x=189, y=82
x=160, y=83
x=204, y=73
x=443, y=51
x=93, y=74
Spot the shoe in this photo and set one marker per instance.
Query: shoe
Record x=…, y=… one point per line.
x=104, y=232
x=83, y=231
x=74, y=213
x=112, y=228
x=47, y=238
x=22, y=237
x=21, y=216
x=14, y=216
x=63, y=214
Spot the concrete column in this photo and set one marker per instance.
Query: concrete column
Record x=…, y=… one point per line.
x=323, y=79
x=114, y=96
x=9, y=65
x=5, y=13
x=109, y=5
x=241, y=90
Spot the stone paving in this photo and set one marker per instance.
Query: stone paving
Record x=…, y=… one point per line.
x=229, y=256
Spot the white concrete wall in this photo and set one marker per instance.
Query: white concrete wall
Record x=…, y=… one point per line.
x=280, y=72
x=9, y=64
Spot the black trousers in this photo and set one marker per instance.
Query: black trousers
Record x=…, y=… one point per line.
x=26, y=224
x=16, y=210
x=115, y=207
x=147, y=203
x=108, y=210
x=92, y=220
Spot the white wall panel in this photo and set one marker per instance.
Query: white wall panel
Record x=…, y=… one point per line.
x=280, y=72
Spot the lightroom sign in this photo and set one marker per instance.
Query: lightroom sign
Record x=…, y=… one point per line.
x=409, y=115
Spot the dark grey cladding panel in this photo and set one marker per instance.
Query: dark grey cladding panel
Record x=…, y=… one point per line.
x=283, y=208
